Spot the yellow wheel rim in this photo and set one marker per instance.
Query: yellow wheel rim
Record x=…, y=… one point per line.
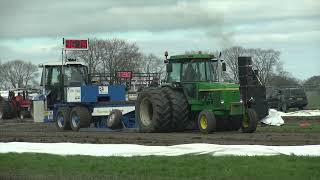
x=203, y=122
x=245, y=121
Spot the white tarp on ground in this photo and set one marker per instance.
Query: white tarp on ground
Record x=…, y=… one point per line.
x=302, y=113
x=275, y=117
x=140, y=150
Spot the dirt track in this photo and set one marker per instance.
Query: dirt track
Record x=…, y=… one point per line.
x=11, y=130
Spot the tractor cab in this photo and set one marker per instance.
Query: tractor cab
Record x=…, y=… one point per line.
x=194, y=68
x=200, y=76
x=55, y=78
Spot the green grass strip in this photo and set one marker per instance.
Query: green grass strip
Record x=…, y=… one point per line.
x=291, y=128
x=43, y=166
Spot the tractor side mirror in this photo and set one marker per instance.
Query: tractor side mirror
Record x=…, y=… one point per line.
x=224, y=67
x=169, y=67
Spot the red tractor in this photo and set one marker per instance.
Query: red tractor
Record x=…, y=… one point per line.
x=15, y=106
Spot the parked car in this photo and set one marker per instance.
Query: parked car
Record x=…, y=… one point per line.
x=285, y=98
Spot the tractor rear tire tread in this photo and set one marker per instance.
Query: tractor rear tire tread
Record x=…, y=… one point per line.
x=179, y=107
x=161, y=111
x=161, y=115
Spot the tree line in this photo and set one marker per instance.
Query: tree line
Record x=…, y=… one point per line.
x=17, y=74
x=111, y=55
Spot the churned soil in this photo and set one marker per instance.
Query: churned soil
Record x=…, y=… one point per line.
x=16, y=131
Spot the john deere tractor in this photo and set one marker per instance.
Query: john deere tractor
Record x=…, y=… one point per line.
x=194, y=96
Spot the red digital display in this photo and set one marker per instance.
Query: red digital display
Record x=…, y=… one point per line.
x=76, y=44
x=124, y=74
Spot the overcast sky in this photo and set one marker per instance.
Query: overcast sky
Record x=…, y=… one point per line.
x=32, y=30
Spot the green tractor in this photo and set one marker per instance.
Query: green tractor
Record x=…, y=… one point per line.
x=194, y=96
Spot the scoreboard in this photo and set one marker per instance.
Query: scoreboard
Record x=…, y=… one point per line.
x=124, y=74
x=76, y=44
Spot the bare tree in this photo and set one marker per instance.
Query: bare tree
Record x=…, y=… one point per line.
x=18, y=73
x=282, y=81
x=121, y=55
x=314, y=80
x=153, y=64
x=313, y=83
x=2, y=81
x=266, y=61
x=110, y=55
x=230, y=57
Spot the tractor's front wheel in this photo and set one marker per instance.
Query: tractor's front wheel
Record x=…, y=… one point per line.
x=62, y=119
x=250, y=121
x=207, y=122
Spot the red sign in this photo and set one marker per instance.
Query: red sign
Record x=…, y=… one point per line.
x=76, y=44
x=124, y=74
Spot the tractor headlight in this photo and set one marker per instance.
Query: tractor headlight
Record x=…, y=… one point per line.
x=241, y=101
x=222, y=101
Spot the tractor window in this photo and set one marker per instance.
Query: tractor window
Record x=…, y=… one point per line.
x=55, y=76
x=211, y=73
x=193, y=71
x=75, y=76
x=174, y=76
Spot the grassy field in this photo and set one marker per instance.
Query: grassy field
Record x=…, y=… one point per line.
x=292, y=128
x=42, y=166
x=313, y=99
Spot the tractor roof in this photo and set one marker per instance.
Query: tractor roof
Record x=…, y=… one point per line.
x=58, y=63
x=192, y=56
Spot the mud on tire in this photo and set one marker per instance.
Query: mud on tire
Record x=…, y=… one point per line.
x=153, y=111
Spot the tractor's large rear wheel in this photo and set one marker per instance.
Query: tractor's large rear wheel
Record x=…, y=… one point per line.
x=6, y=110
x=153, y=111
x=79, y=118
x=250, y=121
x=179, y=108
x=1, y=114
x=62, y=119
